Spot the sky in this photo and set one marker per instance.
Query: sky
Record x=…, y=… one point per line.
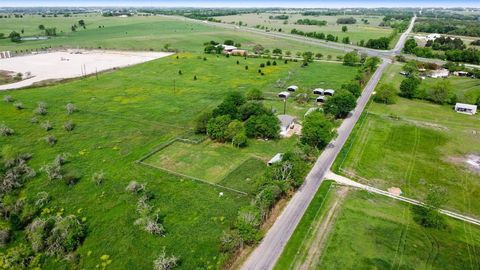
x=246, y=3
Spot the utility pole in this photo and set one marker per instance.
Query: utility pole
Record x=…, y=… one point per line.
x=284, y=105
x=174, y=86
x=96, y=73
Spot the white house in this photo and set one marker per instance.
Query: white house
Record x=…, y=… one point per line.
x=321, y=99
x=318, y=91
x=329, y=92
x=466, y=108
x=292, y=88
x=283, y=95
x=439, y=73
x=286, y=122
x=432, y=36
x=275, y=159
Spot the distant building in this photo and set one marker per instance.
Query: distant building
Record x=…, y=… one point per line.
x=284, y=95
x=329, y=92
x=439, y=73
x=466, y=108
x=432, y=37
x=460, y=73
x=286, y=122
x=292, y=88
x=321, y=99
x=275, y=159
x=237, y=52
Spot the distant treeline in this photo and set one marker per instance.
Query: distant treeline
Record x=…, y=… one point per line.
x=449, y=26
x=349, y=20
x=279, y=17
x=454, y=50
x=311, y=22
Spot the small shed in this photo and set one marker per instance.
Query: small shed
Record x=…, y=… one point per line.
x=286, y=122
x=275, y=159
x=329, y=92
x=318, y=91
x=466, y=108
x=321, y=99
x=292, y=88
x=439, y=73
x=283, y=95
x=460, y=73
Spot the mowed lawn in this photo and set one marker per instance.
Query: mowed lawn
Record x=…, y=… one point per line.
x=413, y=144
x=356, y=32
x=121, y=117
x=375, y=232
x=136, y=33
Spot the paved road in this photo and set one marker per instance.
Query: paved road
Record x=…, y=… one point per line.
x=270, y=248
x=346, y=181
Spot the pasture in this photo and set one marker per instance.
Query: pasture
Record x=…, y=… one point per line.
x=413, y=144
x=122, y=116
x=356, y=32
x=142, y=33
x=375, y=232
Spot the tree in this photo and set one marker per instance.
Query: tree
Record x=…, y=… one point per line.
x=386, y=94
x=351, y=59
x=409, y=87
x=250, y=109
x=15, y=37
x=318, y=55
x=229, y=42
x=217, y=126
x=235, y=127
x=410, y=46
x=340, y=104
x=277, y=51
x=307, y=57
x=429, y=215
x=353, y=87
x=82, y=23
x=41, y=27
x=164, y=262
x=201, y=122
x=441, y=92
x=371, y=63
x=258, y=49
x=254, y=94
x=51, y=31
x=230, y=105
x=346, y=40
x=411, y=68
x=264, y=126
x=317, y=130
x=344, y=28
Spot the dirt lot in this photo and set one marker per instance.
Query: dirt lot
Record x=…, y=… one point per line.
x=70, y=64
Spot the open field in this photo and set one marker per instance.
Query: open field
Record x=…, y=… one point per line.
x=412, y=144
x=121, y=117
x=70, y=64
x=135, y=33
x=375, y=232
x=356, y=32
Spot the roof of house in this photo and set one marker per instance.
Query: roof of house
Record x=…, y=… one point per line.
x=285, y=119
x=227, y=47
x=466, y=106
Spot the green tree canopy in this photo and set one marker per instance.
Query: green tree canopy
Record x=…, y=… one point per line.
x=340, y=104
x=386, y=93
x=317, y=130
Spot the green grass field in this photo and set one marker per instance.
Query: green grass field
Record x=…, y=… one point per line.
x=374, y=232
x=135, y=33
x=356, y=32
x=415, y=143
x=121, y=117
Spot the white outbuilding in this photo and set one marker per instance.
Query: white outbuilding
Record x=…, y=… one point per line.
x=286, y=122
x=439, y=73
x=318, y=91
x=466, y=108
x=321, y=99
x=433, y=36
x=329, y=92
x=275, y=159
x=292, y=88
x=283, y=95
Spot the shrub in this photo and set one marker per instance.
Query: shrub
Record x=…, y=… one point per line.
x=386, y=94
x=18, y=257
x=53, y=171
x=98, y=177
x=254, y=94
x=5, y=130
x=262, y=65
x=65, y=236
x=441, y=92
x=34, y=120
x=164, y=262
x=354, y=88
x=18, y=105
x=235, y=127
x=217, y=126
x=201, y=122
x=69, y=125
x=4, y=233
x=248, y=224
x=317, y=131
x=8, y=98
x=70, y=108
x=51, y=140
x=340, y=104
x=240, y=139
x=37, y=233
x=409, y=87
x=72, y=177
x=230, y=241
x=47, y=125
x=41, y=108
x=263, y=126
x=135, y=187
x=250, y=109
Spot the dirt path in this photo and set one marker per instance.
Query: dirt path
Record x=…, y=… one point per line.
x=321, y=233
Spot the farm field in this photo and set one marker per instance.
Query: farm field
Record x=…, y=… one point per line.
x=375, y=232
x=413, y=144
x=121, y=117
x=356, y=32
x=141, y=33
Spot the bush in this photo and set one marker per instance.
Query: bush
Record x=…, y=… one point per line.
x=70, y=107
x=201, y=122
x=135, y=187
x=51, y=140
x=47, y=125
x=264, y=126
x=386, y=93
x=18, y=257
x=248, y=224
x=8, y=98
x=66, y=235
x=69, y=125
x=317, y=130
x=351, y=59
x=53, y=171
x=354, y=88
x=409, y=87
x=254, y=94
x=18, y=105
x=72, y=177
x=98, y=177
x=4, y=233
x=217, y=126
x=230, y=241
x=340, y=104
x=6, y=131
x=164, y=262
x=252, y=108
x=41, y=108
x=235, y=127
x=441, y=92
